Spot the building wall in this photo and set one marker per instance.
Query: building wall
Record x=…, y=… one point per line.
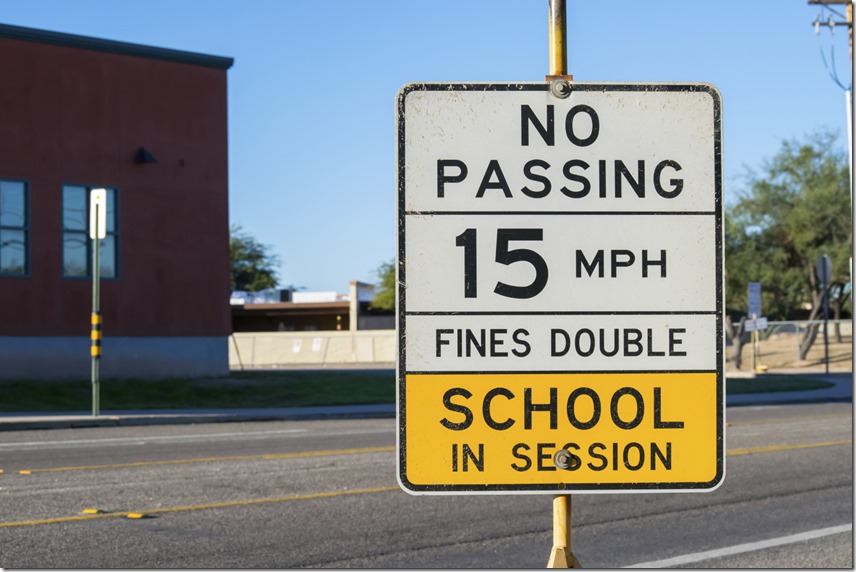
x=289, y=316
x=70, y=115
x=149, y=357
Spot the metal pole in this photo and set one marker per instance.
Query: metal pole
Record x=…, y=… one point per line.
x=848, y=104
x=850, y=26
x=848, y=96
x=755, y=343
x=95, y=349
x=558, y=41
x=562, y=555
x=826, y=320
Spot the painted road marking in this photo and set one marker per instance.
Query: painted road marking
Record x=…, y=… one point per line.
x=679, y=561
x=734, y=452
x=262, y=457
x=778, y=420
x=132, y=514
x=278, y=456
x=774, y=448
x=144, y=440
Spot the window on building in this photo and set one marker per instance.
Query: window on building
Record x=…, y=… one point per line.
x=76, y=244
x=14, y=230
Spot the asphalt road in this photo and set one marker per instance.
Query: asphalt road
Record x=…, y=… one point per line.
x=324, y=494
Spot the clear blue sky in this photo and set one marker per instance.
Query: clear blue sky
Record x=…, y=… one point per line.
x=312, y=91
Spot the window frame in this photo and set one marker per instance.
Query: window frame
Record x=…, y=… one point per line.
x=25, y=228
x=111, y=233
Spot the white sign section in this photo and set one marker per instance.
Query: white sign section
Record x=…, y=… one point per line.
x=560, y=263
x=614, y=148
x=756, y=324
x=554, y=252
x=98, y=214
x=561, y=342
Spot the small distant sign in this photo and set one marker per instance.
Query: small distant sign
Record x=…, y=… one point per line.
x=824, y=269
x=754, y=299
x=756, y=324
x=98, y=214
x=305, y=297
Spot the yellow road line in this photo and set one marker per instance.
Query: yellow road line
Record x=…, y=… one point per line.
x=772, y=420
x=229, y=504
x=266, y=456
x=773, y=448
x=273, y=500
x=63, y=519
x=307, y=454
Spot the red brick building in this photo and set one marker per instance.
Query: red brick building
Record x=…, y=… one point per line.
x=150, y=126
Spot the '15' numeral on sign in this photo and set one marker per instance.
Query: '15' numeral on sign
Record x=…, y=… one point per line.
x=504, y=255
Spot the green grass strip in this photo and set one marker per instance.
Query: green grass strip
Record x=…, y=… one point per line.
x=773, y=384
x=239, y=390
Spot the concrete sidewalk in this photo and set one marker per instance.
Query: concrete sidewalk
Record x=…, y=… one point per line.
x=841, y=391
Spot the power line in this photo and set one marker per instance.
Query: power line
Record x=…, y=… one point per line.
x=832, y=24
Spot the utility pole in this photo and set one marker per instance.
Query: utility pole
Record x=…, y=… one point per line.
x=848, y=91
x=832, y=23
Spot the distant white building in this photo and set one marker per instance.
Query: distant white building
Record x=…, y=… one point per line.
x=287, y=310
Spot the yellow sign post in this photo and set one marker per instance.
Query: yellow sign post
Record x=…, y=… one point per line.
x=560, y=288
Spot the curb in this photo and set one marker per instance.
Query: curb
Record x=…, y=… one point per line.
x=787, y=401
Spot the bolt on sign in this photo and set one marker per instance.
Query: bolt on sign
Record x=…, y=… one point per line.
x=560, y=288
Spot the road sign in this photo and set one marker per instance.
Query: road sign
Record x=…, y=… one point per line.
x=759, y=323
x=98, y=213
x=559, y=288
x=824, y=270
x=754, y=299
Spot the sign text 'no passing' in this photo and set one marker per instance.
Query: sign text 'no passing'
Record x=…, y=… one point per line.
x=559, y=287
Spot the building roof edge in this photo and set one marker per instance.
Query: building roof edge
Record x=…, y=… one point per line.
x=112, y=46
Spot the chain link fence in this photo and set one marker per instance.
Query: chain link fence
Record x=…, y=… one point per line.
x=779, y=347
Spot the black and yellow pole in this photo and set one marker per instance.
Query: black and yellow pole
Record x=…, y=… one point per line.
x=562, y=555
x=97, y=231
x=95, y=348
x=95, y=351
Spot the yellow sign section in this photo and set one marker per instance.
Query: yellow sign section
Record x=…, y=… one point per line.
x=616, y=430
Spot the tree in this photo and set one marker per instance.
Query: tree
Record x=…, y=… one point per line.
x=385, y=295
x=253, y=264
x=796, y=211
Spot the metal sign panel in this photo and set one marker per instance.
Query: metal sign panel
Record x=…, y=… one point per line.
x=98, y=213
x=824, y=270
x=754, y=295
x=756, y=324
x=560, y=288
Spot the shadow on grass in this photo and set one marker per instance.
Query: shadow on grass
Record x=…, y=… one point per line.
x=239, y=390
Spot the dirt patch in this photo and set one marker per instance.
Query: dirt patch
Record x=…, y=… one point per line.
x=780, y=351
